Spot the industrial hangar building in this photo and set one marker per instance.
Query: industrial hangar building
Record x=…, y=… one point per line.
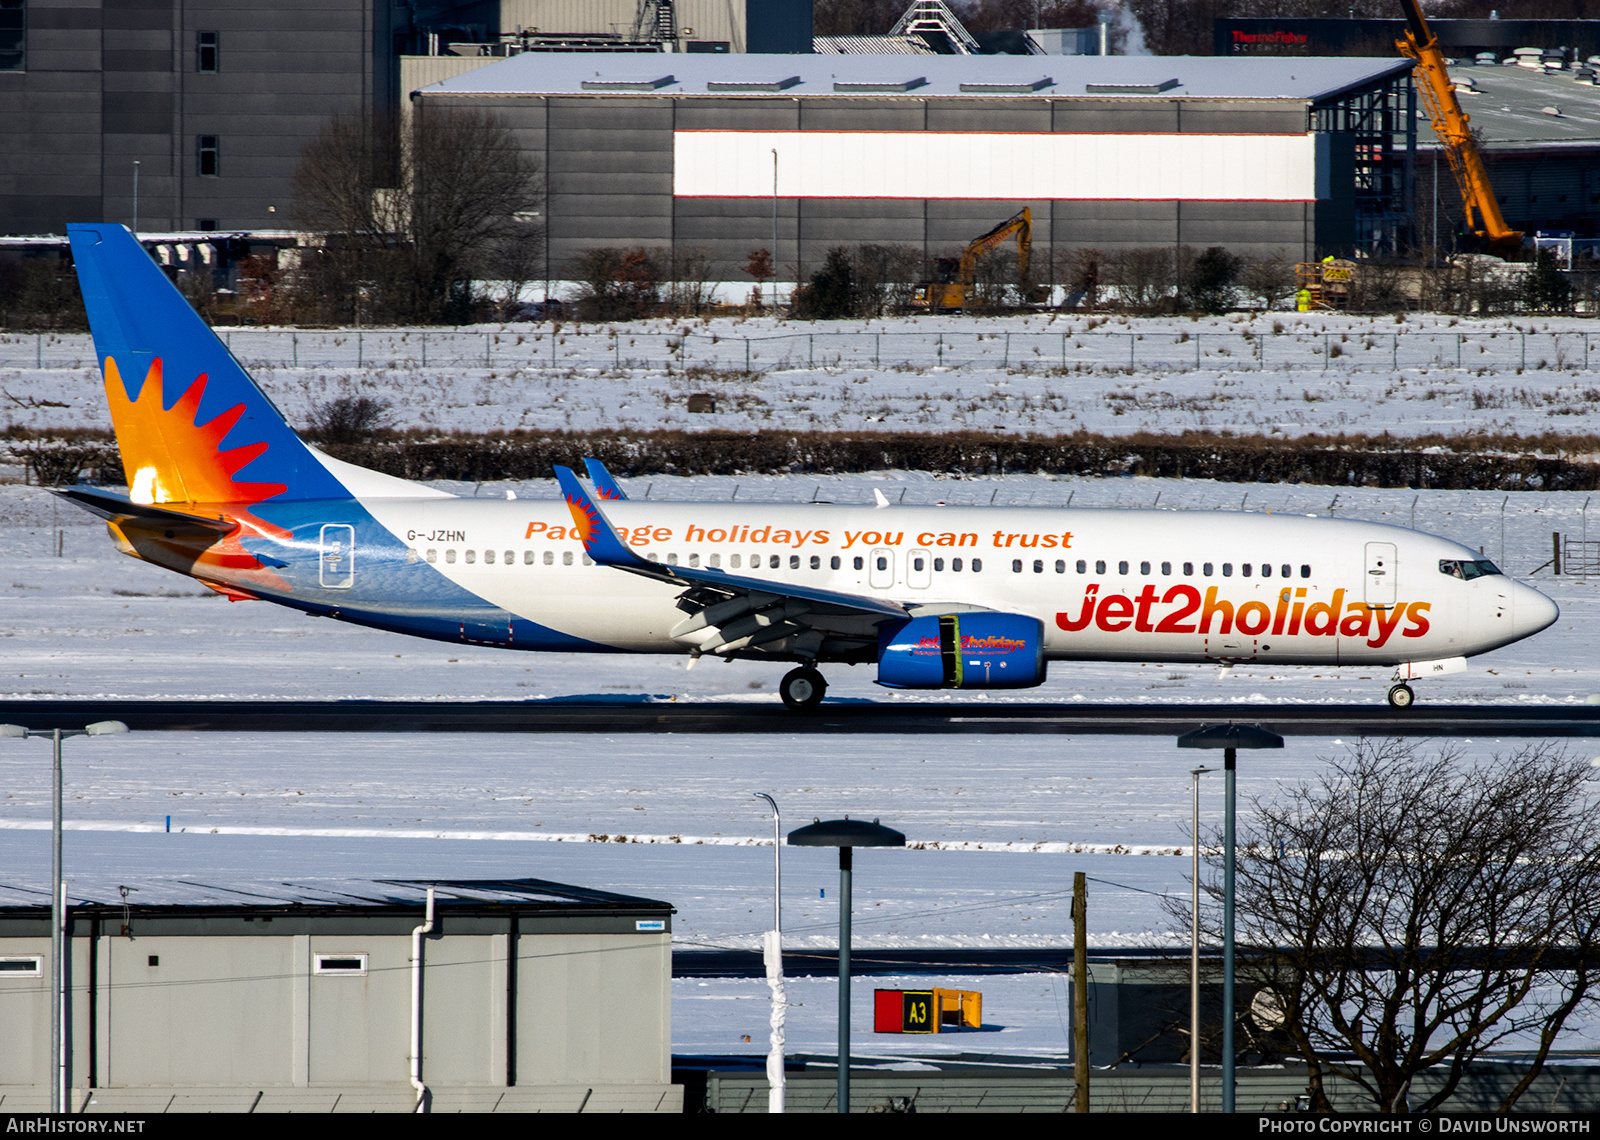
x=1282, y=157
x=270, y=996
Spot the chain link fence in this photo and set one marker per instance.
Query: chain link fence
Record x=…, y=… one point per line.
x=1165, y=350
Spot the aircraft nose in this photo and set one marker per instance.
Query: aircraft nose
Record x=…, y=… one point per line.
x=1531, y=611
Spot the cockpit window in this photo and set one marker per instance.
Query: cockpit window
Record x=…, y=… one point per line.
x=1466, y=570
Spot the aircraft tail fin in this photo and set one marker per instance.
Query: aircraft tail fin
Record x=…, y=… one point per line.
x=191, y=423
x=602, y=480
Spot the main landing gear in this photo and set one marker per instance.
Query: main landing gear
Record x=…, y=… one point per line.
x=1401, y=696
x=802, y=689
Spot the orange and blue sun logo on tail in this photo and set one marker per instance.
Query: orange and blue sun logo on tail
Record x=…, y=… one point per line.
x=192, y=425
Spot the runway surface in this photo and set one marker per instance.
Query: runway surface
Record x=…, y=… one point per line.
x=634, y=716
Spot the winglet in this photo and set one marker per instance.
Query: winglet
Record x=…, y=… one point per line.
x=600, y=540
x=602, y=480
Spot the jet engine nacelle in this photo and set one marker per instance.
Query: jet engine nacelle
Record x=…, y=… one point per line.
x=978, y=650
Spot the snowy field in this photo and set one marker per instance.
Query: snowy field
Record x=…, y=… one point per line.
x=1283, y=374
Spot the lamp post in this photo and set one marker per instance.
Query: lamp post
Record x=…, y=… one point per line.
x=1194, y=948
x=772, y=954
x=58, y=899
x=1230, y=738
x=846, y=834
x=774, y=231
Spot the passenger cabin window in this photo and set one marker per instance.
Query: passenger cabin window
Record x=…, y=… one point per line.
x=1305, y=571
x=527, y=558
x=488, y=558
x=1083, y=567
x=1061, y=565
x=1283, y=571
x=1144, y=568
x=794, y=562
x=433, y=556
x=977, y=565
x=566, y=558
x=715, y=561
x=1016, y=565
x=1122, y=567
x=860, y=563
x=834, y=563
x=733, y=561
x=773, y=561
x=1099, y=566
x=549, y=558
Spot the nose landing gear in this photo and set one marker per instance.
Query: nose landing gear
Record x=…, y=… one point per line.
x=1401, y=696
x=802, y=689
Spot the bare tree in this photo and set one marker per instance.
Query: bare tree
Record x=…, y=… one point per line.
x=415, y=214
x=1411, y=913
x=1268, y=281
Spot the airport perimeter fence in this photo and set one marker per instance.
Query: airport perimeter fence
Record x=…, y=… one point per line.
x=603, y=347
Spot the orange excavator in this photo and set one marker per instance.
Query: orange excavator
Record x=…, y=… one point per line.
x=952, y=278
x=1450, y=124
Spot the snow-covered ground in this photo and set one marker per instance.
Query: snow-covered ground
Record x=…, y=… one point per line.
x=1029, y=810
x=1286, y=374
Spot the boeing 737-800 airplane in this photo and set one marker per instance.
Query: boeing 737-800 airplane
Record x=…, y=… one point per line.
x=221, y=489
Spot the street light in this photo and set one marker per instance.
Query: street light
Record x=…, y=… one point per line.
x=1230, y=738
x=1194, y=948
x=846, y=834
x=772, y=958
x=58, y=899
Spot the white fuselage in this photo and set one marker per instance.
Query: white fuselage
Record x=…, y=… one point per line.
x=1129, y=585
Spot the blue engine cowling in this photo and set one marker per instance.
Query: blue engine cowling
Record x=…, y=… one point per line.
x=963, y=651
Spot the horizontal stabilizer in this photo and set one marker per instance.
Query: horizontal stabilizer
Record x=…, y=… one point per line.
x=120, y=509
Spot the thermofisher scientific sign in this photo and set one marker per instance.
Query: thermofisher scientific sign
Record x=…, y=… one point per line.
x=1038, y=167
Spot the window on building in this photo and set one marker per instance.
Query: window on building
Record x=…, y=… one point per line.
x=208, y=161
x=13, y=35
x=205, y=51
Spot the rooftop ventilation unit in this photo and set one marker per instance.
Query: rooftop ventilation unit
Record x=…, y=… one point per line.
x=628, y=84
x=753, y=84
x=1008, y=88
x=882, y=88
x=1131, y=88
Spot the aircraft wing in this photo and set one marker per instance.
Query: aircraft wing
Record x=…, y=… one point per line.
x=732, y=613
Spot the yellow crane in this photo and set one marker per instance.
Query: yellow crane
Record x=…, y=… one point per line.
x=1450, y=124
x=952, y=279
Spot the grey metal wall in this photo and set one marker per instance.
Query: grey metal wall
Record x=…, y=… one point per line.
x=111, y=81
x=249, y=1011
x=608, y=165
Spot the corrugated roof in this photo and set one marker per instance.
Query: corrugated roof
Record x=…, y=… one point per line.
x=321, y=893
x=1508, y=107
x=1198, y=77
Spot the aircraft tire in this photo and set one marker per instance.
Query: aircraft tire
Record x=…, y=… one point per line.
x=1401, y=697
x=802, y=689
